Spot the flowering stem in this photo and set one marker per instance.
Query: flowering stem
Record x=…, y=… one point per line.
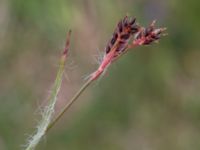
x=68, y=105
x=93, y=77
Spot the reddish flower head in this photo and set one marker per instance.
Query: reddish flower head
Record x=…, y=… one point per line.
x=126, y=30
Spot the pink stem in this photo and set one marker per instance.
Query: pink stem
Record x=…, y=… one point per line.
x=105, y=63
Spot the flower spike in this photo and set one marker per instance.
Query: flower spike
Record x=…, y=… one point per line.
x=126, y=29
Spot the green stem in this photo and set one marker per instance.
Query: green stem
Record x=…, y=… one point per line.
x=67, y=106
x=49, y=110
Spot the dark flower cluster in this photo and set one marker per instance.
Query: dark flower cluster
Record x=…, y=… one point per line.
x=122, y=34
x=127, y=29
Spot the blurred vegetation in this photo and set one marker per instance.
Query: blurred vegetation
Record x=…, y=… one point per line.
x=149, y=99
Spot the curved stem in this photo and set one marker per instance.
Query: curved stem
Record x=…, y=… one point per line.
x=82, y=89
x=67, y=106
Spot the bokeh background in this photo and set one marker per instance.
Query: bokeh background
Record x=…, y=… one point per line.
x=147, y=100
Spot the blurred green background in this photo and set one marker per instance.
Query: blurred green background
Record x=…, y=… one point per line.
x=147, y=100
